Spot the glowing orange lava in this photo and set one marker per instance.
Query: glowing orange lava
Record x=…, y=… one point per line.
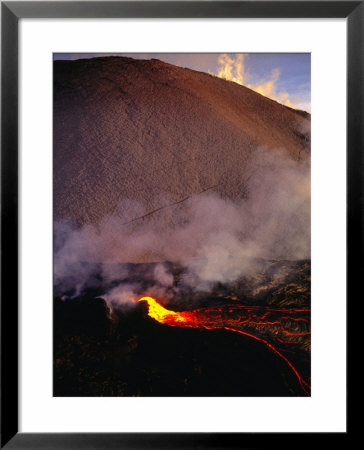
x=257, y=322
x=162, y=315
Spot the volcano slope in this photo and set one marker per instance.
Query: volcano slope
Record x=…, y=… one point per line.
x=134, y=129
x=167, y=182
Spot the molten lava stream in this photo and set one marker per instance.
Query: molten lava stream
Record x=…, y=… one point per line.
x=265, y=321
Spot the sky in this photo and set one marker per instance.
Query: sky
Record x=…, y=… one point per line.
x=284, y=77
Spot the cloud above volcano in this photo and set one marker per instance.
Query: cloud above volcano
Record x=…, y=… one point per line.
x=234, y=68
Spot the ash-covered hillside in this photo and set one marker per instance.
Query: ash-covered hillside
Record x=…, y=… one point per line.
x=156, y=134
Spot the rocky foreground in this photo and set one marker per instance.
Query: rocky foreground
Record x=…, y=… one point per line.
x=243, y=340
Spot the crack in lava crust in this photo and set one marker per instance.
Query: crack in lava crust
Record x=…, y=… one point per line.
x=283, y=327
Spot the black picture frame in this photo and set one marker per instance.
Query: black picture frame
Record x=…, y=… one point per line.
x=11, y=12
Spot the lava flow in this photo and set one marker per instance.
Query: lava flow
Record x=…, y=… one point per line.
x=280, y=329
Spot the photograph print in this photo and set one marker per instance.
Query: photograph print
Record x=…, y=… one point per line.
x=181, y=224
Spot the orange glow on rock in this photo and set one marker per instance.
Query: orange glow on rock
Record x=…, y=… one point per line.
x=256, y=322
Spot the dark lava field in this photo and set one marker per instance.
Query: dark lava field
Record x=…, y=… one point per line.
x=99, y=351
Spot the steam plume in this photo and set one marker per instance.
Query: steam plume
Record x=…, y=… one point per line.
x=215, y=238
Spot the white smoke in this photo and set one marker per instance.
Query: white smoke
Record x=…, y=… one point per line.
x=123, y=295
x=215, y=238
